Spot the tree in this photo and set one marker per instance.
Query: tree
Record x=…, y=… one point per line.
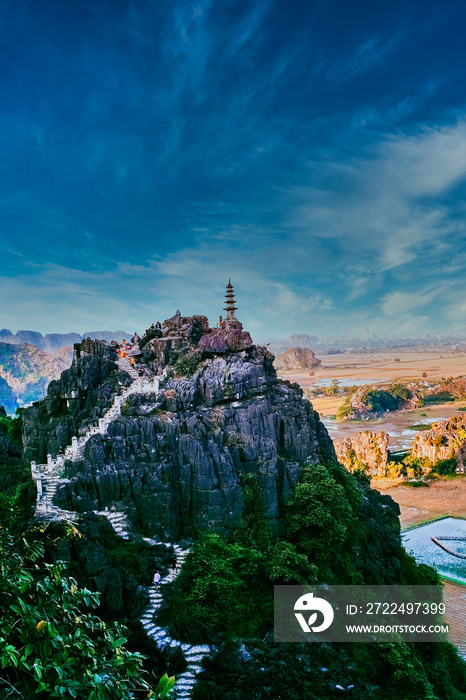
x=51, y=644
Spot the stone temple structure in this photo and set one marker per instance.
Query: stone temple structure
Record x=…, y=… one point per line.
x=230, y=322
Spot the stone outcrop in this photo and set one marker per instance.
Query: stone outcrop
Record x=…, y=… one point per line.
x=181, y=335
x=175, y=459
x=369, y=402
x=297, y=359
x=74, y=402
x=446, y=439
x=367, y=450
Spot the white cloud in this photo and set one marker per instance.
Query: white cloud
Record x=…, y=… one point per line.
x=399, y=303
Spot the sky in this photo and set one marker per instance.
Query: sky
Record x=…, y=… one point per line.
x=313, y=152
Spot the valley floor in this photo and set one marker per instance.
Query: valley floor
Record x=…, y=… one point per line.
x=419, y=505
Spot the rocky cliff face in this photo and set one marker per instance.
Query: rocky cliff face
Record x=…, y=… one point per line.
x=80, y=397
x=367, y=450
x=175, y=460
x=446, y=439
x=298, y=359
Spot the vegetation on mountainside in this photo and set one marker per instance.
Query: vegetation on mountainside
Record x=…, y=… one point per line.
x=52, y=643
x=392, y=398
x=336, y=533
x=187, y=364
x=414, y=467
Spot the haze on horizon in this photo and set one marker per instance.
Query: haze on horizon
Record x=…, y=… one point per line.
x=313, y=152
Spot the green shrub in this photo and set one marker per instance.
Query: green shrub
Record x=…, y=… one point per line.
x=344, y=410
x=445, y=466
x=187, y=365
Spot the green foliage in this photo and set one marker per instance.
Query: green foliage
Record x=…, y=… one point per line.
x=127, y=554
x=51, y=644
x=17, y=505
x=389, y=399
x=332, y=389
x=165, y=687
x=125, y=408
x=420, y=426
x=399, y=391
x=318, y=513
x=439, y=397
x=344, y=410
x=445, y=466
x=214, y=590
x=394, y=469
x=439, y=440
x=287, y=565
x=254, y=530
x=12, y=427
x=187, y=365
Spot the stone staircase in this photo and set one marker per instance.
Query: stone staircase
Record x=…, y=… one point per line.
x=194, y=654
x=48, y=476
x=119, y=522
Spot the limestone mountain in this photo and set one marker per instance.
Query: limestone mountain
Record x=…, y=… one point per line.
x=300, y=340
x=25, y=372
x=445, y=440
x=175, y=460
x=296, y=359
x=221, y=446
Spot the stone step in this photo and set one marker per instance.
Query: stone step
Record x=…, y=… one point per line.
x=149, y=627
x=199, y=649
x=160, y=634
x=188, y=676
x=186, y=679
x=196, y=658
x=195, y=668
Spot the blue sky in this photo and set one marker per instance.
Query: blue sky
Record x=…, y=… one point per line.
x=315, y=152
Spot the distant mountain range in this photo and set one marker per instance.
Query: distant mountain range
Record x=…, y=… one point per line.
x=52, y=342
x=298, y=340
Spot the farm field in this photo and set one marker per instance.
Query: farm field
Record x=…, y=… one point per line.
x=417, y=505
x=376, y=368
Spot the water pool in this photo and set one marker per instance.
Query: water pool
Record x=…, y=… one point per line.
x=418, y=543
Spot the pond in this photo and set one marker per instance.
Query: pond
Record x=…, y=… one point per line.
x=418, y=542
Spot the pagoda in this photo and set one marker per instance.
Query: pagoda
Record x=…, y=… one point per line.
x=230, y=321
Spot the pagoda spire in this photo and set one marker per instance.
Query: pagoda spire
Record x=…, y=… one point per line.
x=230, y=301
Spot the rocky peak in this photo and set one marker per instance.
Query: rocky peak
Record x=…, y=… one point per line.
x=181, y=335
x=176, y=459
x=297, y=359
